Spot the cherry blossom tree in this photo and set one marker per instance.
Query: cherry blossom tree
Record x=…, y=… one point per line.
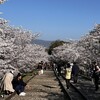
x=84, y=51
x=2, y=1
x=16, y=49
x=91, y=44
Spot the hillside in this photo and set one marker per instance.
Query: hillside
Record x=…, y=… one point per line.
x=42, y=42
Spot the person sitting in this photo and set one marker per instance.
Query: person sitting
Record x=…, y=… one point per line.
x=19, y=85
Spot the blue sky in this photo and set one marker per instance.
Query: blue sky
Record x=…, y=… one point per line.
x=54, y=19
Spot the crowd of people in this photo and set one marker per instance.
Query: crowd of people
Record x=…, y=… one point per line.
x=71, y=72
x=11, y=83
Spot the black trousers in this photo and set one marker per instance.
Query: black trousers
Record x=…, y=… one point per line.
x=96, y=82
x=67, y=83
x=75, y=77
x=19, y=89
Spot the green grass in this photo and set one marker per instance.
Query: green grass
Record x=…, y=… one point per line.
x=28, y=75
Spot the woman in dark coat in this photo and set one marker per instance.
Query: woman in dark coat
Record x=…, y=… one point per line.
x=19, y=84
x=75, y=71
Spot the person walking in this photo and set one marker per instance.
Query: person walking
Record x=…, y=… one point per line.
x=95, y=75
x=75, y=71
x=68, y=71
x=40, y=67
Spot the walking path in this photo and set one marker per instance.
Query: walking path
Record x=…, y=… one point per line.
x=42, y=87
